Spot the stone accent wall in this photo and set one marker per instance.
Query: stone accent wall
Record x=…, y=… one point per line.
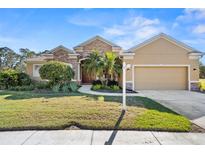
x=195, y=86
x=129, y=85
x=74, y=63
x=95, y=45
x=63, y=56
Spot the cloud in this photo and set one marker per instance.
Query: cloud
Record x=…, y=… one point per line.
x=83, y=21
x=199, y=29
x=88, y=18
x=132, y=30
x=189, y=17
x=192, y=14
x=174, y=25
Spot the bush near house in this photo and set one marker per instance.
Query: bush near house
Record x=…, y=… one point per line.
x=56, y=72
x=202, y=84
x=105, y=87
x=10, y=78
x=59, y=75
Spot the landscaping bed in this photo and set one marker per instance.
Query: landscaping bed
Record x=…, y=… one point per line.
x=115, y=91
x=29, y=110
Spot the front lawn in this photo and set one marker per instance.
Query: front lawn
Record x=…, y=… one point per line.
x=28, y=110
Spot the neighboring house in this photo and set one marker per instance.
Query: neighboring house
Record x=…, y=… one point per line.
x=160, y=63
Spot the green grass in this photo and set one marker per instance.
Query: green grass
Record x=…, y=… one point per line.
x=27, y=110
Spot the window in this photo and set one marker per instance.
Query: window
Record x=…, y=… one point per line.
x=36, y=68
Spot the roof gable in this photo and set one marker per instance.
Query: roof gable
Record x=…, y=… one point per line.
x=96, y=38
x=61, y=47
x=166, y=37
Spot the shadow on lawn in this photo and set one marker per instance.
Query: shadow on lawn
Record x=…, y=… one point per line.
x=137, y=101
x=114, y=133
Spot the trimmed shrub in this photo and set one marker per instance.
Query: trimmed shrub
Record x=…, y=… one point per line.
x=107, y=88
x=23, y=79
x=8, y=78
x=56, y=72
x=115, y=88
x=96, y=87
x=97, y=82
x=11, y=78
x=112, y=83
x=202, y=84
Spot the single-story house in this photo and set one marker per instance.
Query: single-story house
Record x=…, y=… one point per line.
x=159, y=63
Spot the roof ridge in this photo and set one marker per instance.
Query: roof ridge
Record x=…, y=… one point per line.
x=96, y=37
x=155, y=37
x=62, y=46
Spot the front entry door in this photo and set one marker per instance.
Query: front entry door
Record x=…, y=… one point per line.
x=86, y=77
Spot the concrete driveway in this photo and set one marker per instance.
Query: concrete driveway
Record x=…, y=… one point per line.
x=188, y=103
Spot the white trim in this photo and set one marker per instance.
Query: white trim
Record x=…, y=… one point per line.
x=34, y=75
x=194, y=81
x=127, y=54
x=196, y=55
x=129, y=81
x=79, y=72
x=162, y=65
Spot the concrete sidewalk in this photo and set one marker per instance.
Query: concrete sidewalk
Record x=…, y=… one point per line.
x=90, y=137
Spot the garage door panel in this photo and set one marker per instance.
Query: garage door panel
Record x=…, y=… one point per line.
x=160, y=78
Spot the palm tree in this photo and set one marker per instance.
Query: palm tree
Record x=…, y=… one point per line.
x=94, y=64
x=113, y=65
x=108, y=66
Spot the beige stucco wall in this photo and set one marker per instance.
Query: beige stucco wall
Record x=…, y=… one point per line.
x=162, y=52
x=29, y=70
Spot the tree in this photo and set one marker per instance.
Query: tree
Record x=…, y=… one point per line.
x=8, y=58
x=94, y=64
x=56, y=72
x=113, y=66
x=24, y=54
x=109, y=65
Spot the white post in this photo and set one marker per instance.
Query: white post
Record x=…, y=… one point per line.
x=79, y=71
x=124, y=86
